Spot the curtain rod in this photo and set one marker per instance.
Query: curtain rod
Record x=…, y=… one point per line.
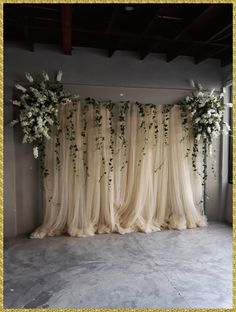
x=122, y=86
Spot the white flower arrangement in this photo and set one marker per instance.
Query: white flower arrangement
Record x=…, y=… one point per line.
x=203, y=112
x=39, y=105
x=206, y=114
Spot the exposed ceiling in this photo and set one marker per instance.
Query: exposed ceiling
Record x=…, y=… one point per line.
x=198, y=30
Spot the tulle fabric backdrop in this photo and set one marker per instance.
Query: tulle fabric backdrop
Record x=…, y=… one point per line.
x=149, y=186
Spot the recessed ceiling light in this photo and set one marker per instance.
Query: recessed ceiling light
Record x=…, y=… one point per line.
x=129, y=8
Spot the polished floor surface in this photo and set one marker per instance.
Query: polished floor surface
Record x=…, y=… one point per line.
x=168, y=269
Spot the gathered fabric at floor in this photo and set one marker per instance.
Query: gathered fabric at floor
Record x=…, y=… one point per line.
x=132, y=173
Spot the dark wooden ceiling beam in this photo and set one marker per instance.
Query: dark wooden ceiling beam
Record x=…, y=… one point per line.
x=66, y=13
x=39, y=7
x=152, y=21
x=114, y=42
x=144, y=52
x=137, y=36
x=172, y=55
x=112, y=19
x=191, y=22
x=200, y=58
x=113, y=46
x=150, y=37
x=111, y=51
x=218, y=33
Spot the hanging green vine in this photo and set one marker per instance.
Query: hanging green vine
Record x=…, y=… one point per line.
x=144, y=110
x=58, y=131
x=165, y=121
x=155, y=122
x=213, y=163
x=84, y=136
x=122, y=118
x=110, y=106
x=204, y=171
x=185, y=122
x=70, y=135
x=99, y=139
x=42, y=156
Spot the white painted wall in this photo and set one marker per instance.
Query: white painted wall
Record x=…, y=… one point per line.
x=123, y=73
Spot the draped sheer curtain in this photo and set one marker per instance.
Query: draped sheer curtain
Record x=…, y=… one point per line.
x=145, y=184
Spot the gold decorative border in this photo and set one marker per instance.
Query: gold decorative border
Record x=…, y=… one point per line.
x=1, y=152
x=234, y=153
x=2, y=148
x=118, y=1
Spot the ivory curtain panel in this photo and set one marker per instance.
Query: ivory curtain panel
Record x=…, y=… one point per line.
x=134, y=178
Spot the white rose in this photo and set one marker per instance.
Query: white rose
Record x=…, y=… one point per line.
x=59, y=75
x=210, y=149
x=29, y=77
x=40, y=122
x=45, y=76
x=214, y=134
x=208, y=129
x=192, y=83
x=212, y=91
x=17, y=103
x=199, y=86
x=227, y=127
x=193, y=112
x=46, y=135
x=35, y=152
x=198, y=137
x=13, y=122
x=217, y=125
x=24, y=139
x=19, y=87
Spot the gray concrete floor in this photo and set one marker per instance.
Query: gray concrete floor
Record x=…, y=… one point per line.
x=168, y=269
